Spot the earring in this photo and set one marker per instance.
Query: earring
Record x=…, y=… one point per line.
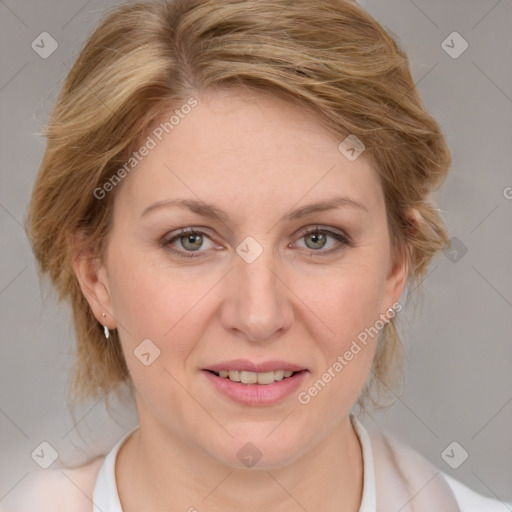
x=391, y=313
x=105, y=328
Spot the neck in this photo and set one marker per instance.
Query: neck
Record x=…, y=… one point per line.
x=156, y=470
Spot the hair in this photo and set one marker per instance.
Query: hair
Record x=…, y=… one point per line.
x=329, y=57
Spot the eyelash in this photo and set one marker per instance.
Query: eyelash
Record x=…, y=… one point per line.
x=345, y=241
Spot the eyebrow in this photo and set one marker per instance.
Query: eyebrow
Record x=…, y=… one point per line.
x=211, y=211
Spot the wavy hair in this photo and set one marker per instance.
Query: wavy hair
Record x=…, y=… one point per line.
x=330, y=57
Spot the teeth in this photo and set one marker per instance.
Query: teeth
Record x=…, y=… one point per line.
x=248, y=377
x=234, y=375
x=279, y=375
x=253, y=377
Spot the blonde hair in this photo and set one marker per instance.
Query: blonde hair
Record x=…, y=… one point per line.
x=328, y=56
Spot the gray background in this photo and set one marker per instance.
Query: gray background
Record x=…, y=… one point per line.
x=458, y=371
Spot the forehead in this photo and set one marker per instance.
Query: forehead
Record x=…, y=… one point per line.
x=248, y=152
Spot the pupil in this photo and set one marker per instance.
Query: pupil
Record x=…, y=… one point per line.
x=194, y=238
x=317, y=237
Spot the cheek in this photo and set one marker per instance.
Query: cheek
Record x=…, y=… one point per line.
x=160, y=304
x=350, y=309
x=347, y=301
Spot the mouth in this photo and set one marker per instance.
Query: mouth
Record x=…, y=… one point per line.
x=255, y=384
x=248, y=378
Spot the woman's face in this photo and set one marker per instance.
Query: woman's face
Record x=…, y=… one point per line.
x=252, y=284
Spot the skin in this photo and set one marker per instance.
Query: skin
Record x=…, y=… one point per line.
x=256, y=157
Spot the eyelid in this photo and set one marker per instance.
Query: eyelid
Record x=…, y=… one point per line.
x=322, y=229
x=341, y=237
x=175, y=235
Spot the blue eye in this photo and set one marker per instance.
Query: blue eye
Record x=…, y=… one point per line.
x=191, y=241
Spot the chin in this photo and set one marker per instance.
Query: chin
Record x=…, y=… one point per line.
x=255, y=450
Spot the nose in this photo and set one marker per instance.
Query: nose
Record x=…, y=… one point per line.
x=257, y=305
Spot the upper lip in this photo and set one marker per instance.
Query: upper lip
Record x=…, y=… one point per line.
x=249, y=366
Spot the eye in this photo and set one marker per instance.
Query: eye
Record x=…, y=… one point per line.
x=317, y=239
x=189, y=239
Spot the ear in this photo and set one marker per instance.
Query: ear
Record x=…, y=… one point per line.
x=92, y=276
x=399, y=267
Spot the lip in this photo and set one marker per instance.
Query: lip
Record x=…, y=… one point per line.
x=256, y=394
x=245, y=365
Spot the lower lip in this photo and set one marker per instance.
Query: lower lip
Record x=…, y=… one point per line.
x=256, y=394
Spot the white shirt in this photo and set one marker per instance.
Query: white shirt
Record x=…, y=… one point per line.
x=93, y=486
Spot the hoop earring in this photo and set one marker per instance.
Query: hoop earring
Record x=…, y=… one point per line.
x=106, y=332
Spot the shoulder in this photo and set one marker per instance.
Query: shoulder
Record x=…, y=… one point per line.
x=55, y=490
x=413, y=463
x=470, y=501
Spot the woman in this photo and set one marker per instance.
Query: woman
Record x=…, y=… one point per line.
x=233, y=197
